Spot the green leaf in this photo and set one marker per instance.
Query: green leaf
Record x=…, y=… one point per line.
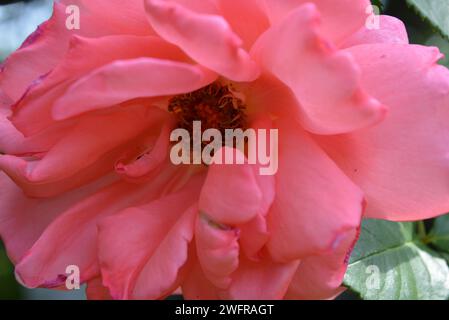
x=445, y=256
x=9, y=288
x=439, y=235
x=378, y=3
x=435, y=11
x=388, y=262
x=442, y=44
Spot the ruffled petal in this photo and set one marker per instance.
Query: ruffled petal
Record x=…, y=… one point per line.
x=196, y=286
x=43, y=49
x=23, y=219
x=207, y=38
x=340, y=19
x=402, y=165
x=87, y=152
x=125, y=80
x=13, y=142
x=231, y=194
x=261, y=280
x=315, y=202
x=35, y=110
x=163, y=273
x=71, y=239
x=321, y=276
x=326, y=82
x=391, y=30
x=147, y=163
x=37, y=56
x=247, y=19
x=142, y=249
x=217, y=250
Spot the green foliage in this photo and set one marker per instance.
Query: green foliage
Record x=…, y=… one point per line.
x=9, y=288
x=434, y=11
x=439, y=235
x=391, y=262
x=378, y=3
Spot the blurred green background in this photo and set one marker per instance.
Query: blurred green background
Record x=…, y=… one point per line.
x=20, y=18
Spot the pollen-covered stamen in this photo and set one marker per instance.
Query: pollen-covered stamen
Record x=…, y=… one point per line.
x=217, y=106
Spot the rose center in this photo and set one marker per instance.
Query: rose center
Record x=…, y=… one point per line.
x=217, y=106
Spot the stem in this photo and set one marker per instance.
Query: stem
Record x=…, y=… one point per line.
x=422, y=234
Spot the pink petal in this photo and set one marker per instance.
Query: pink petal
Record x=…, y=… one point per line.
x=87, y=152
x=402, y=165
x=246, y=18
x=326, y=82
x=199, y=6
x=149, y=161
x=71, y=239
x=391, y=30
x=37, y=56
x=34, y=111
x=142, y=249
x=321, y=276
x=43, y=49
x=196, y=286
x=231, y=194
x=96, y=291
x=262, y=280
x=339, y=18
x=13, y=142
x=162, y=274
x=315, y=202
x=23, y=219
x=207, y=38
x=106, y=17
x=125, y=80
x=254, y=234
x=253, y=237
x=217, y=249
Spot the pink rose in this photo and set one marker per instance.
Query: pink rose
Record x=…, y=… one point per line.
x=86, y=117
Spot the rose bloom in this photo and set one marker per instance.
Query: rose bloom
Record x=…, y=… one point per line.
x=86, y=116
